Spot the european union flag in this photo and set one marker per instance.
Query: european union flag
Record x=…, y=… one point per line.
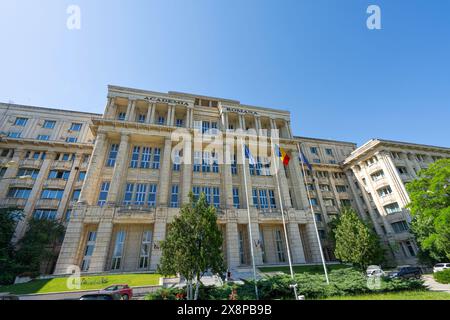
x=249, y=156
x=305, y=161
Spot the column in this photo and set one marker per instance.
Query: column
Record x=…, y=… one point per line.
x=313, y=244
x=69, y=187
x=131, y=114
x=191, y=117
x=93, y=172
x=148, y=118
x=295, y=243
x=247, y=201
x=172, y=118
x=110, y=110
x=232, y=239
x=227, y=178
x=296, y=175
x=102, y=244
x=242, y=122
x=169, y=114
x=284, y=186
x=71, y=247
x=34, y=196
x=11, y=172
x=257, y=124
x=152, y=117
x=119, y=170
x=288, y=129
x=257, y=250
x=165, y=174
x=187, y=170
x=159, y=234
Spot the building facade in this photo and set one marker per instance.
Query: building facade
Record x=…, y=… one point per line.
x=117, y=180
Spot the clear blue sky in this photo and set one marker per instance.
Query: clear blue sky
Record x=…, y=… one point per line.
x=315, y=58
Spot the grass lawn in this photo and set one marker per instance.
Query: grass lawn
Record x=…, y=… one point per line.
x=406, y=295
x=87, y=283
x=302, y=269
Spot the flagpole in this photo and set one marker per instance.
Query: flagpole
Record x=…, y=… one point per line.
x=294, y=286
x=249, y=219
x=313, y=215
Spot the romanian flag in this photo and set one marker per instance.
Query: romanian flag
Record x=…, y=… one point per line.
x=282, y=155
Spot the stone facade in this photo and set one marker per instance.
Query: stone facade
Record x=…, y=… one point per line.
x=140, y=159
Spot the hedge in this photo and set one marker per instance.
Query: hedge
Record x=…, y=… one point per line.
x=442, y=276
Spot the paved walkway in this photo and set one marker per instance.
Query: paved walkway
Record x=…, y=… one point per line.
x=435, y=286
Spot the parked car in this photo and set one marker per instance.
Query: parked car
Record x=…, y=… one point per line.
x=101, y=296
x=441, y=267
x=123, y=290
x=375, y=271
x=406, y=273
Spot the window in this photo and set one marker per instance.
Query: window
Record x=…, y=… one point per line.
x=392, y=208
x=156, y=158
x=144, y=258
x=81, y=175
x=68, y=215
x=89, y=250
x=179, y=123
x=44, y=214
x=255, y=198
x=128, y=194
x=118, y=250
x=310, y=187
x=52, y=194
x=174, y=197
x=216, y=197
x=196, y=192
x=383, y=192
x=2, y=172
x=329, y=152
x=215, y=164
x=314, y=150
x=21, y=122
x=71, y=139
x=324, y=187
x=236, y=201
x=346, y=203
x=314, y=202
x=67, y=157
x=161, y=120
x=112, y=155
x=378, y=175
x=141, y=191
x=279, y=246
x=14, y=135
x=151, y=202
x=19, y=193
x=135, y=157
x=318, y=217
x=341, y=189
x=145, y=157
x=197, y=161
x=43, y=137
x=322, y=234
x=76, y=127
x=400, y=227
x=141, y=118
x=316, y=161
x=76, y=195
x=121, y=116
x=273, y=203
x=402, y=170
x=263, y=202
x=177, y=160
x=205, y=126
x=104, y=189
x=329, y=202
x=33, y=173
x=234, y=165
x=56, y=174
x=206, y=163
x=49, y=124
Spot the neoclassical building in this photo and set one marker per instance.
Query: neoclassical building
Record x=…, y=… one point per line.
x=117, y=180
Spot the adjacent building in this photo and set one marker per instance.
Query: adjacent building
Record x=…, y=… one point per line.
x=118, y=179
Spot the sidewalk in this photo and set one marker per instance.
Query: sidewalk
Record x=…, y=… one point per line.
x=435, y=286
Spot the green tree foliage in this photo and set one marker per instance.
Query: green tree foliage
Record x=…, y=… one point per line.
x=356, y=243
x=430, y=210
x=193, y=245
x=8, y=221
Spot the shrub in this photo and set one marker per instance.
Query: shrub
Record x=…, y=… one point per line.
x=442, y=276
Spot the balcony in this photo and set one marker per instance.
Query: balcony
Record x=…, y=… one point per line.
x=332, y=209
x=55, y=183
x=48, y=203
x=387, y=199
x=62, y=165
x=22, y=183
x=13, y=202
x=30, y=163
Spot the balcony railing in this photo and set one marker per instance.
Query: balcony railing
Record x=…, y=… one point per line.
x=10, y=202
x=30, y=163
x=48, y=203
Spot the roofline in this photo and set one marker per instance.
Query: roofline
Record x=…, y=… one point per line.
x=327, y=140
x=8, y=105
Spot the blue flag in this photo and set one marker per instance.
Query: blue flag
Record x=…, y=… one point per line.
x=249, y=156
x=305, y=161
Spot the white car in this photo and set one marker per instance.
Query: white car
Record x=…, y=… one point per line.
x=441, y=267
x=375, y=271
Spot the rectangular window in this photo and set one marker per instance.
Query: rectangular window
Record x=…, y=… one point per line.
x=33, y=173
x=135, y=157
x=114, y=149
x=392, y=208
x=52, y=194
x=314, y=202
x=66, y=157
x=76, y=127
x=141, y=118
x=341, y=189
x=378, y=175
x=22, y=122
x=236, y=200
x=383, y=192
x=68, y=215
x=216, y=197
x=174, y=197
x=104, y=189
x=89, y=250
x=121, y=116
x=280, y=246
x=146, y=244
x=76, y=195
x=71, y=140
x=329, y=152
x=207, y=192
x=234, y=165
x=128, y=197
x=152, y=190
x=273, y=204
x=314, y=150
x=49, y=124
x=206, y=163
x=141, y=190
x=57, y=174
x=400, y=227
x=19, y=193
x=177, y=161
x=329, y=202
x=255, y=198
x=118, y=250
x=145, y=157
x=196, y=192
x=81, y=175
x=215, y=164
x=156, y=158
x=205, y=126
x=2, y=172
x=197, y=161
x=44, y=214
x=14, y=135
x=179, y=123
x=263, y=199
x=161, y=120
x=43, y=137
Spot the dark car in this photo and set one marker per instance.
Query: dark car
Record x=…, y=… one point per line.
x=101, y=296
x=406, y=273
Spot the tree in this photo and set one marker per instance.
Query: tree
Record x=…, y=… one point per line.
x=193, y=245
x=38, y=244
x=8, y=222
x=430, y=211
x=356, y=243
